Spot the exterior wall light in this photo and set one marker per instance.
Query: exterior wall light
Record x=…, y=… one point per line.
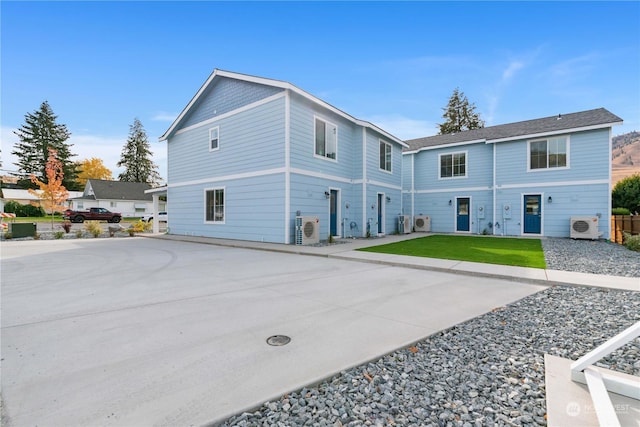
x=550, y=199
x=450, y=202
x=327, y=194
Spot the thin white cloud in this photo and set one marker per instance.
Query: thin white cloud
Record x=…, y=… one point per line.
x=163, y=116
x=512, y=68
x=404, y=127
x=573, y=67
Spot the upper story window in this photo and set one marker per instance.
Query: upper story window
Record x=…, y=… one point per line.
x=326, y=137
x=385, y=156
x=453, y=165
x=214, y=138
x=214, y=205
x=548, y=153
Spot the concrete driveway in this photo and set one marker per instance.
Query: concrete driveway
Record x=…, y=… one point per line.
x=158, y=332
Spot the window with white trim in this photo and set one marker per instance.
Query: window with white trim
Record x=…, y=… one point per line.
x=548, y=153
x=214, y=138
x=385, y=156
x=453, y=165
x=214, y=205
x=326, y=139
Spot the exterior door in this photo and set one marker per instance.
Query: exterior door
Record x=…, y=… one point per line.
x=532, y=213
x=333, y=213
x=380, y=212
x=462, y=214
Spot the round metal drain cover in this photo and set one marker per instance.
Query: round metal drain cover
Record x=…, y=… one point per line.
x=277, y=340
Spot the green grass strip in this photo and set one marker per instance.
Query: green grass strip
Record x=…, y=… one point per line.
x=489, y=250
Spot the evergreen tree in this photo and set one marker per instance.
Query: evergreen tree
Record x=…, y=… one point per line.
x=460, y=115
x=39, y=134
x=136, y=157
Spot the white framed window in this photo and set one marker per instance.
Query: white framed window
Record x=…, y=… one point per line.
x=385, y=156
x=214, y=205
x=326, y=139
x=453, y=165
x=214, y=138
x=549, y=153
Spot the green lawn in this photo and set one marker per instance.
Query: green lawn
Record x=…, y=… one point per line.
x=489, y=250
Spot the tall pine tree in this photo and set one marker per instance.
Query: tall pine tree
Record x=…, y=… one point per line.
x=136, y=157
x=460, y=115
x=40, y=133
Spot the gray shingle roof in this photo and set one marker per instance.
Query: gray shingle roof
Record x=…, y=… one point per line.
x=103, y=189
x=583, y=119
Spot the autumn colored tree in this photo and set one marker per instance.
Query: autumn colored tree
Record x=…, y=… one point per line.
x=92, y=168
x=52, y=193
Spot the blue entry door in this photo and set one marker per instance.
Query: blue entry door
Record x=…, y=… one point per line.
x=333, y=213
x=462, y=214
x=380, y=212
x=532, y=213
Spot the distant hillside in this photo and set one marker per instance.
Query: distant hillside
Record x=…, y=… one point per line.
x=625, y=156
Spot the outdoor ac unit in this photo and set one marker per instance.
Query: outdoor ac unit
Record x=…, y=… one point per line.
x=422, y=223
x=584, y=227
x=404, y=224
x=307, y=230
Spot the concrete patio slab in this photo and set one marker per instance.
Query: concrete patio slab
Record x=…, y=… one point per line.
x=159, y=332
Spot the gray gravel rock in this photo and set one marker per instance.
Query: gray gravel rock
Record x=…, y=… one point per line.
x=591, y=256
x=486, y=371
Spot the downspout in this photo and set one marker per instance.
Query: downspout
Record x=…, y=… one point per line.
x=364, y=181
x=287, y=167
x=608, y=218
x=493, y=216
x=413, y=185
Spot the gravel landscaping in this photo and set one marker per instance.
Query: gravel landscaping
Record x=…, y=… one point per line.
x=487, y=371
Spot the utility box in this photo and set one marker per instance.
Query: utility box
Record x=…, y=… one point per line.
x=22, y=229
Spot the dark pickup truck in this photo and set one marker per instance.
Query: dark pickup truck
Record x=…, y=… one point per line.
x=93, y=214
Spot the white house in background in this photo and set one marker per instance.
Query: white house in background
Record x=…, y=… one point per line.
x=128, y=198
x=25, y=198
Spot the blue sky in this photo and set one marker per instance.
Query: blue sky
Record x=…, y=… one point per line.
x=102, y=64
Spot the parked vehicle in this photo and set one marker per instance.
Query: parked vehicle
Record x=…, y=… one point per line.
x=92, y=214
x=162, y=217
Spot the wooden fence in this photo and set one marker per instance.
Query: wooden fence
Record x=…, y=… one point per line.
x=620, y=223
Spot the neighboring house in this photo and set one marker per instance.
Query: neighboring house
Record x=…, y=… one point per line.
x=128, y=198
x=249, y=154
x=519, y=179
x=24, y=197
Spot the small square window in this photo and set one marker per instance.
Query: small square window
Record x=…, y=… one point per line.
x=453, y=165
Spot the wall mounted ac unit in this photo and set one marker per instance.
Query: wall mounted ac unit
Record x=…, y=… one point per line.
x=422, y=223
x=307, y=230
x=404, y=224
x=584, y=227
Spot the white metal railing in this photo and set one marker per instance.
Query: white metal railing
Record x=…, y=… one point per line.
x=601, y=383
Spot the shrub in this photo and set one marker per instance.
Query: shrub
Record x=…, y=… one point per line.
x=8, y=235
x=620, y=211
x=626, y=193
x=66, y=226
x=631, y=242
x=93, y=227
x=12, y=207
x=79, y=234
x=139, y=227
x=23, y=210
x=58, y=234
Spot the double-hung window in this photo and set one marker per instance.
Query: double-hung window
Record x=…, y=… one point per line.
x=453, y=165
x=326, y=137
x=214, y=138
x=214, y=205
x=385, y=156
x=548, y=153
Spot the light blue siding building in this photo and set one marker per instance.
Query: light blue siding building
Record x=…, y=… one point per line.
x=248, y=155
x=520, y=179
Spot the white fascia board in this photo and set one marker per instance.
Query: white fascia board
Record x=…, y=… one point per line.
x=437, y=147
x=274, y=83
x=555, y=132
